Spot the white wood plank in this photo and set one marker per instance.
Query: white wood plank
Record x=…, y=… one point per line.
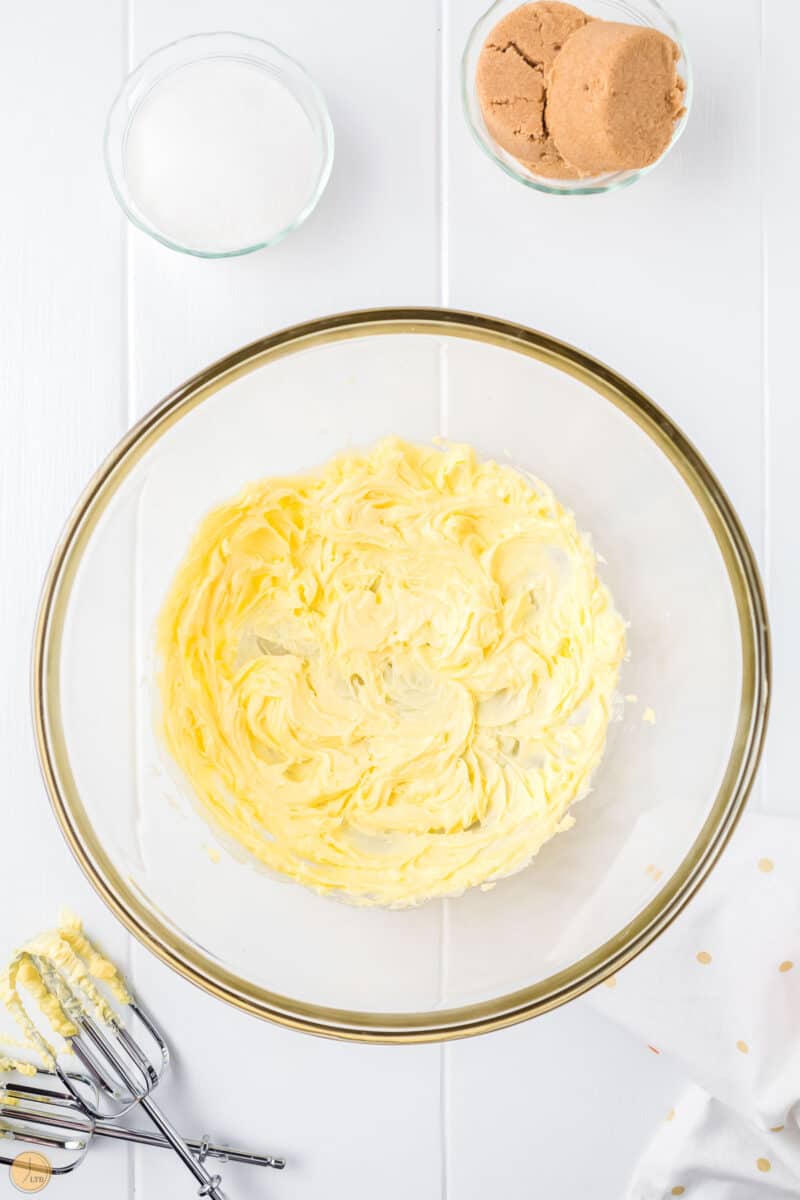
x=372, y=239
x=354, y=1121
x=559, y=1107
x=781, y=166
x=663, y=282
x=660, y=280
x=61, y=405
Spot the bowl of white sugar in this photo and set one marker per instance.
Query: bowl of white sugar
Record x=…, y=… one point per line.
x=218, y=145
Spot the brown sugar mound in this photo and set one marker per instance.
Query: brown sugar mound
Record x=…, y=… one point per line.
x=614, y=96
x=570, y=96
x=511, y=81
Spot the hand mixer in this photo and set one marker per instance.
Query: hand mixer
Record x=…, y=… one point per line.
x=41, y=1115
x=121, y=1070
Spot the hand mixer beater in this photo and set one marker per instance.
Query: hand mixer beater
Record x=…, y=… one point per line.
x=121, y=1051
x=42, y=1114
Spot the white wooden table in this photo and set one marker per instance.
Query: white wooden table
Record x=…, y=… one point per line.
x=686, y=283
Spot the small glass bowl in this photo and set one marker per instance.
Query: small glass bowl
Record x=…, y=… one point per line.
x=236, y=47
x=642, y=12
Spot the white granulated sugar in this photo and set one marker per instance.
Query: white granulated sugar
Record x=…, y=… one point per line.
x=220, y=156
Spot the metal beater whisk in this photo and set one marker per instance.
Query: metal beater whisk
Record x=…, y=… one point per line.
x=40, y=1114
x=120, y=1070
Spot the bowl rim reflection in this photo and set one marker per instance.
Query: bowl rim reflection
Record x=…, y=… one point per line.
x=201, y=968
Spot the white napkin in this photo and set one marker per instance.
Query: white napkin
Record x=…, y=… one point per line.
x=720, y=991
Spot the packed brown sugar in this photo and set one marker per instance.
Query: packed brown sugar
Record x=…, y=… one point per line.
x=570, y=96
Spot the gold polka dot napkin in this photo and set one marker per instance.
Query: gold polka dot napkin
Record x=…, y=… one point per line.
x=720, y=993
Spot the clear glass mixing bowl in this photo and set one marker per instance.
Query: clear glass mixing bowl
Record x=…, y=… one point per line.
x=630, y=12
x=665, y=798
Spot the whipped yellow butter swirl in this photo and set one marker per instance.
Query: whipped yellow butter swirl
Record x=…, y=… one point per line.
x=390, y=678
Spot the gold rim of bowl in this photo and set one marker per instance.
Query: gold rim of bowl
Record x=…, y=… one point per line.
x=188, y=959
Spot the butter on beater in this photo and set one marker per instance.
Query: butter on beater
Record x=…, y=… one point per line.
x=9, y=1061
x=82, y=966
